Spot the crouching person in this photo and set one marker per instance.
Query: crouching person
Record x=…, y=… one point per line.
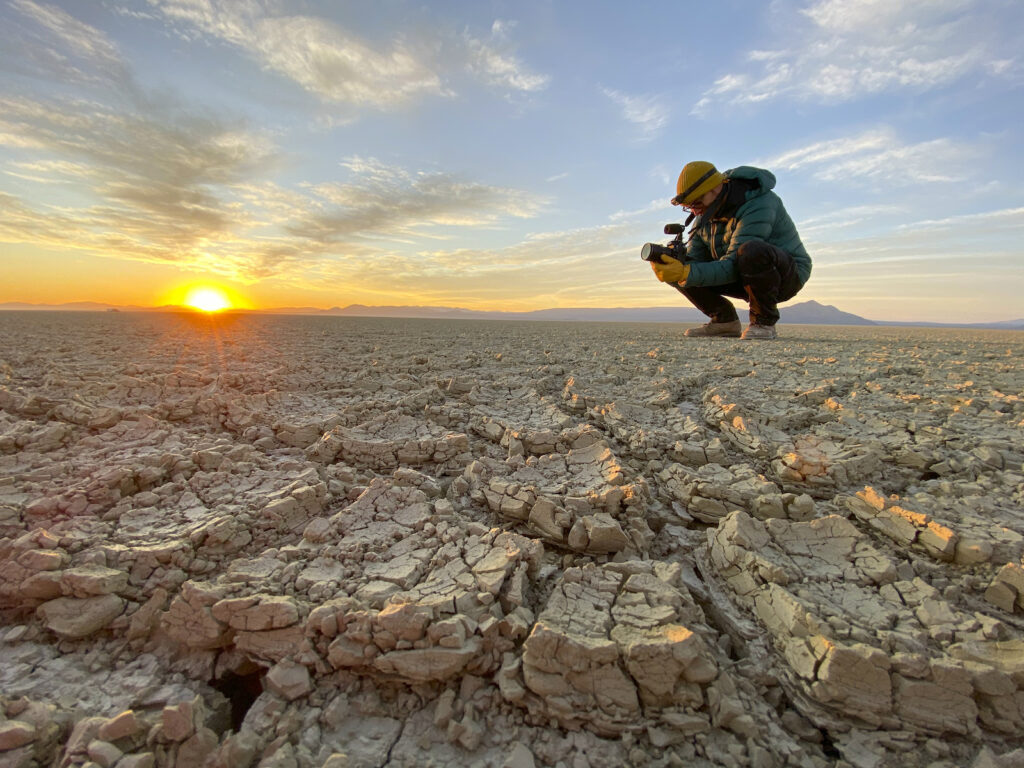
x=743, y=245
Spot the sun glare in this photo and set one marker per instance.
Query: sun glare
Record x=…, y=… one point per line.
x=207, y=299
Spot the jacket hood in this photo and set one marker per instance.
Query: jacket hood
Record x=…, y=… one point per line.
x=765, y=178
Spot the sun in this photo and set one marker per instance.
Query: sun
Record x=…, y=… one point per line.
x=207, y=299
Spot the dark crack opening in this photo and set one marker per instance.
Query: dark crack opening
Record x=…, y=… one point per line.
x=241, y=690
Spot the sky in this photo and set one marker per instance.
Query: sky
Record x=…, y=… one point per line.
x=503, y=155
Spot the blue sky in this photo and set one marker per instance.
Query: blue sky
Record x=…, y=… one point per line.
x=496, y=155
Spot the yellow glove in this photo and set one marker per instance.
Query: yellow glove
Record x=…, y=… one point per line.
x=672, y=272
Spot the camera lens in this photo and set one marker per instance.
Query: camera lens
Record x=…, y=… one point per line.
x=654, y=252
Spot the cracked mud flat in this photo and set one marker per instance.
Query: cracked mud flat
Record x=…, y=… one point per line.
x=292, y=542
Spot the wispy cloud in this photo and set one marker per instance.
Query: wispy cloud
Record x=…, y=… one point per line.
x=997, y=221
x=382, y=201
x=44, y=42
x=651, y=207
x=946, y=244
x=494, y=61
x=157, y=182
x=326, y=60
x=339, y=66
x=880, y=157
x=648, y=112
x=846, y=49
x=846, y=218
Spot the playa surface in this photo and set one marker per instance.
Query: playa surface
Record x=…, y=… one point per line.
x=299, y=541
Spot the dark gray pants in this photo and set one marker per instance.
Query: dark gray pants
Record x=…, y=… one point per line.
x=767, y=276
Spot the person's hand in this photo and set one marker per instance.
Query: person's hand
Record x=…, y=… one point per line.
x=673, y=271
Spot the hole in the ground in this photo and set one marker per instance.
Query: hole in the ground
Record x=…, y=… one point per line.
x=241, y=690
x=828, y=746
x=929, y=476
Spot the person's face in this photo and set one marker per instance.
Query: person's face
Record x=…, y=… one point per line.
x=701, y=204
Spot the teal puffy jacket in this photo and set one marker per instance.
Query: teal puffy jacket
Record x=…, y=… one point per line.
x=711, y=250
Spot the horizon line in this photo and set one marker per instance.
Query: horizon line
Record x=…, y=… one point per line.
x=100, y=306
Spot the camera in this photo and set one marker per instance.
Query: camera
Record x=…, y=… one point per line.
x=676, y=250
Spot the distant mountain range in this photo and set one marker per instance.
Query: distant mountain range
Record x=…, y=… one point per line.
x=803, y=313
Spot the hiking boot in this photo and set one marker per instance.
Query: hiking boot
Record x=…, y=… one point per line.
x=755, y=332
x=730, y=329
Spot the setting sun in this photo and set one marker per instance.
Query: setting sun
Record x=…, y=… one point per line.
x=207, y=299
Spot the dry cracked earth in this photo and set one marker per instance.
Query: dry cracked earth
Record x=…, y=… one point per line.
x=294, y=542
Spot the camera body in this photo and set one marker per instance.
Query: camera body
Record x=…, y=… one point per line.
x=676, y=250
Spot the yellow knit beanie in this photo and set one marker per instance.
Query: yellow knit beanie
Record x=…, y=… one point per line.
x=696, y=180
